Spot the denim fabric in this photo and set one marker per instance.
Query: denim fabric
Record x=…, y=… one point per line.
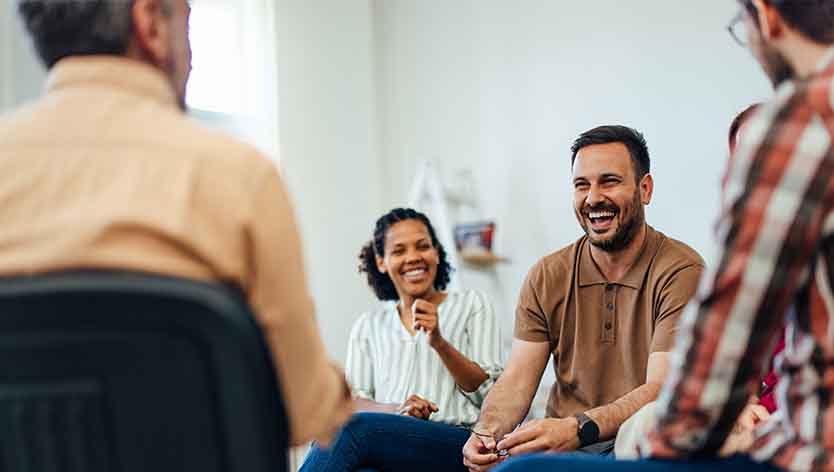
x=589, y=463
x=381, y=442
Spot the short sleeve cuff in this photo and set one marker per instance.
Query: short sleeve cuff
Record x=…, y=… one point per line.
x=477, y=397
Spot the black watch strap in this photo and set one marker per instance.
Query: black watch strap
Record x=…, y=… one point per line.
x=588, y=430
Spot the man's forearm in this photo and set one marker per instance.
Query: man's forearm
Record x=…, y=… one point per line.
x=505, y=407
x=610, y=417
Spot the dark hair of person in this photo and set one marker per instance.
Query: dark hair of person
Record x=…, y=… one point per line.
x=381, y=284
x=630, y=137
x=813, y=18
x=738, y=122
x=63, y=28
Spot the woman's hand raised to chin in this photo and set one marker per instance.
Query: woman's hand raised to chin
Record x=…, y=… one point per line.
x=425, y=319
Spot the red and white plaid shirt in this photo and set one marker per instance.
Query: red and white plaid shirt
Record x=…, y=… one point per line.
x=776, y=235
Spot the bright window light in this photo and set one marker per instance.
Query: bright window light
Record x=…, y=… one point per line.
x=233, y=84
x=216, y=82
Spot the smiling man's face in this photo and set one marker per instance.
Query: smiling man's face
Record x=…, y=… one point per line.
x=608, y=202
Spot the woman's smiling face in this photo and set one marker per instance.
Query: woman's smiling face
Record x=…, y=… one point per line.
x=410, y=259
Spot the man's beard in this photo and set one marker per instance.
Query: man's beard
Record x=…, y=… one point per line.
x=777, y=68
x=180, y=90
x=626, y=231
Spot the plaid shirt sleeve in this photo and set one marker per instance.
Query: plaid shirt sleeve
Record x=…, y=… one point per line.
x=776, y=204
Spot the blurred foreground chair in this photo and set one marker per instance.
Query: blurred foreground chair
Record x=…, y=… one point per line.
x=123, y=372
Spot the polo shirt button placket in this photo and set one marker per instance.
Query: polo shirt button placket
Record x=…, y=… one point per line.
x=608, y=323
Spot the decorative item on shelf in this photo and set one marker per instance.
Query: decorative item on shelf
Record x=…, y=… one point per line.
x=474, y=243
x=474, y=237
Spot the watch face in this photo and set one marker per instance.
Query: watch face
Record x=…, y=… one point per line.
x=592, y=428
x=588, y=432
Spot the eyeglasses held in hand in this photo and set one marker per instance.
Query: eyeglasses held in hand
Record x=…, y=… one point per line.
x=500, y=452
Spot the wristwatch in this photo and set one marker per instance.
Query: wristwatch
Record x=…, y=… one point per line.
x=588, y=431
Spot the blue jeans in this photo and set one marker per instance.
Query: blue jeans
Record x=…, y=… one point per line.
x=384, y=442
x=587, y=463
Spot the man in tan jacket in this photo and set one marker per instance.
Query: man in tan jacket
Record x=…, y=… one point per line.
x=106, y=171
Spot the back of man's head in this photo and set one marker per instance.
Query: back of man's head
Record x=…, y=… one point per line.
x=62, y=28
x=154, y=32
x=814, y=19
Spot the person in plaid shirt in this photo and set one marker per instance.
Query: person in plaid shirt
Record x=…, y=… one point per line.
x=776, y=266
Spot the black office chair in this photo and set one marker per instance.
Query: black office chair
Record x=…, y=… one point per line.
x=127, y=372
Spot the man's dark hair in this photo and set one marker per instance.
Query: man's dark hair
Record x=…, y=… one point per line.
x=62, y=28
x=813, y=18
x=630, y=137
x=381, y=284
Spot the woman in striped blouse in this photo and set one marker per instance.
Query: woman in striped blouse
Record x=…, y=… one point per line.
x=419, y=364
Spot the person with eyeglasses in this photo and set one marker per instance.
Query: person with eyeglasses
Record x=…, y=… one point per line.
x=761, y=405
x=776, y=265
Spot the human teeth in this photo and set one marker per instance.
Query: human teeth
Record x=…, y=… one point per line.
x=601, y=214
x=415, y=272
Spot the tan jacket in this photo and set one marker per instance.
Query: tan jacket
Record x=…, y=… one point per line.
x=106, y=172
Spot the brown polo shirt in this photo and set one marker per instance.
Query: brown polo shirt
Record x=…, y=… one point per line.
x=601, y=333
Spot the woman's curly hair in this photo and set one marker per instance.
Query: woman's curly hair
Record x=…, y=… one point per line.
x=381, y=284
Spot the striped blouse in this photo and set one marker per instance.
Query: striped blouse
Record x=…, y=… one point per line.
x=386, y=364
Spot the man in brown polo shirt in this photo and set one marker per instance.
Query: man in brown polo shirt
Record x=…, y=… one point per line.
x=606, y=308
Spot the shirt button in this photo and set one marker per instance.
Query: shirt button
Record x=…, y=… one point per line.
x=610, y=306
x=608, y=325
x=609, y=287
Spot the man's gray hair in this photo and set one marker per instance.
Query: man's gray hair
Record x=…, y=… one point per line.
x=62, y=28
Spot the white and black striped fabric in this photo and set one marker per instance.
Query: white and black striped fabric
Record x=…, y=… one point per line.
x=387, y=364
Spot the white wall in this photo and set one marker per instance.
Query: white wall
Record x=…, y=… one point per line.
x=503, y=88
x=6, y=91
x=329, y=154
x=21, y=75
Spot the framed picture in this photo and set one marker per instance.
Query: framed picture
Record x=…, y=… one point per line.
x=474, y=238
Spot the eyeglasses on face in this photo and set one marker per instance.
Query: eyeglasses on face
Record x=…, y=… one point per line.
x=738, y=26
x=738, y=29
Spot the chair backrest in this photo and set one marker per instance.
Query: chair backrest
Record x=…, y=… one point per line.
x=129, y=372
